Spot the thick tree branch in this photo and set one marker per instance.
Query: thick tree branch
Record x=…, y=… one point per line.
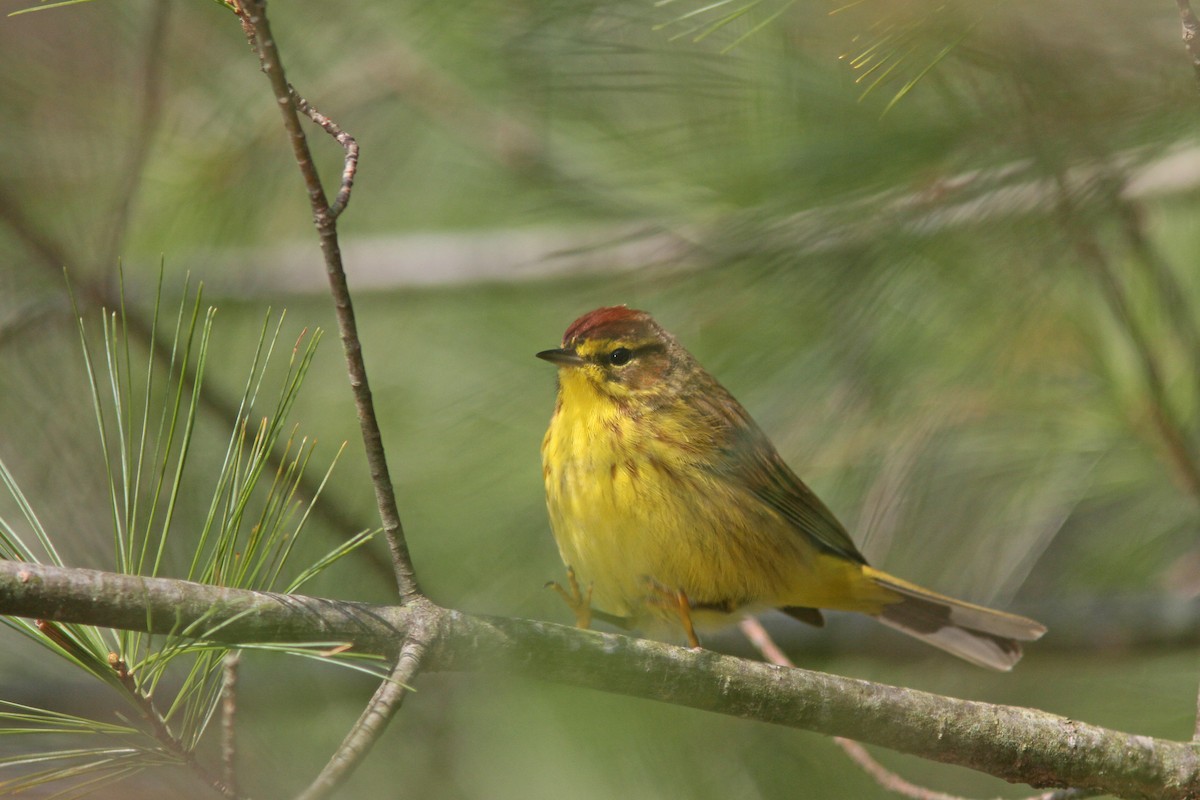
x=762, y=641
x=1016, y=744
x=166, y=606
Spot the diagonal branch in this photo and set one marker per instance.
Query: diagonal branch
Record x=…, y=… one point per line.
x=96, y=294
x=146, y=128
x=1180, y=450
x=258, y=30
x=1020, y=745
x=370, y=725
x=1172, y=295
x=51, y=256
x=162, y=733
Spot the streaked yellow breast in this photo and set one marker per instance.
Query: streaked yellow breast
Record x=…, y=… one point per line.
x=633, y=499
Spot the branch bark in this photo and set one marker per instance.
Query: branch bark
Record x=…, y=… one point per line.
x=229, y=671
x=887, y=779
x=371, y=723
x=1017, y=744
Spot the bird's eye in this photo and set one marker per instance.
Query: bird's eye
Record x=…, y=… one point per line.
x=620, y=356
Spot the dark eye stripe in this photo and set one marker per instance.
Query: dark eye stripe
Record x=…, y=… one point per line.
x=620, y=356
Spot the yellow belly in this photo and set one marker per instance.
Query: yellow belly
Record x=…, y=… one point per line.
x=632, y=507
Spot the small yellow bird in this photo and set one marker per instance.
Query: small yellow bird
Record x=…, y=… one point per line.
x=669, y=504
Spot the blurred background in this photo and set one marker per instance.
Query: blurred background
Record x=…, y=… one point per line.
x=946, y=254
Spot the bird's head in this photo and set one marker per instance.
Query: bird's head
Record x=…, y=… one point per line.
x=620, y=353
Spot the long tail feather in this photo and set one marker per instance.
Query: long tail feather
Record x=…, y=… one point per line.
x=975, y=633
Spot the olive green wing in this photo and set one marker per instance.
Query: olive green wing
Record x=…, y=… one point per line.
x=748, y=458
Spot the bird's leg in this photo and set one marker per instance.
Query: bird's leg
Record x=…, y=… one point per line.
x=685, y=617
x=579, y=603
x=675, y=600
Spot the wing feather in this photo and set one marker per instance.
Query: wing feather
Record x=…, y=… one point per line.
x=747, y=458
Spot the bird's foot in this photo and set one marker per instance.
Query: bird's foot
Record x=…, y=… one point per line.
x=579, y=602
x=674, y=601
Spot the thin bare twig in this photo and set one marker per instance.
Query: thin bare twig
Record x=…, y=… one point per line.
x=254, y=21
x=229, y=678
x=894, y=783
x=889, y=780
x=116, y=672
x=762, y=641
x=371, y=723
x=885, y=777
x=350, y=167
x=390, y=694
x=162, y=733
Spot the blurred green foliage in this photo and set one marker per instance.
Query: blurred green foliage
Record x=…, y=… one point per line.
x=871, y=225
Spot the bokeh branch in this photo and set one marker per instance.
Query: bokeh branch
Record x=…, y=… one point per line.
x=1179, y=447
x=1170, y=291
x=95, y=293
x=148, y=123
x=254, y=21
x=100, y=291
x=1191, y=34
x=1017, y=744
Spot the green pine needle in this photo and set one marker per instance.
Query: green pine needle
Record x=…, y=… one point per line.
x=146, y=408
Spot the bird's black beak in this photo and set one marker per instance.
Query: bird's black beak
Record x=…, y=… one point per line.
x=563, y=358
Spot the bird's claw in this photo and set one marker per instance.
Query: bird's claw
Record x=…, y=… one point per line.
x=675, y=601
x=579, y=602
